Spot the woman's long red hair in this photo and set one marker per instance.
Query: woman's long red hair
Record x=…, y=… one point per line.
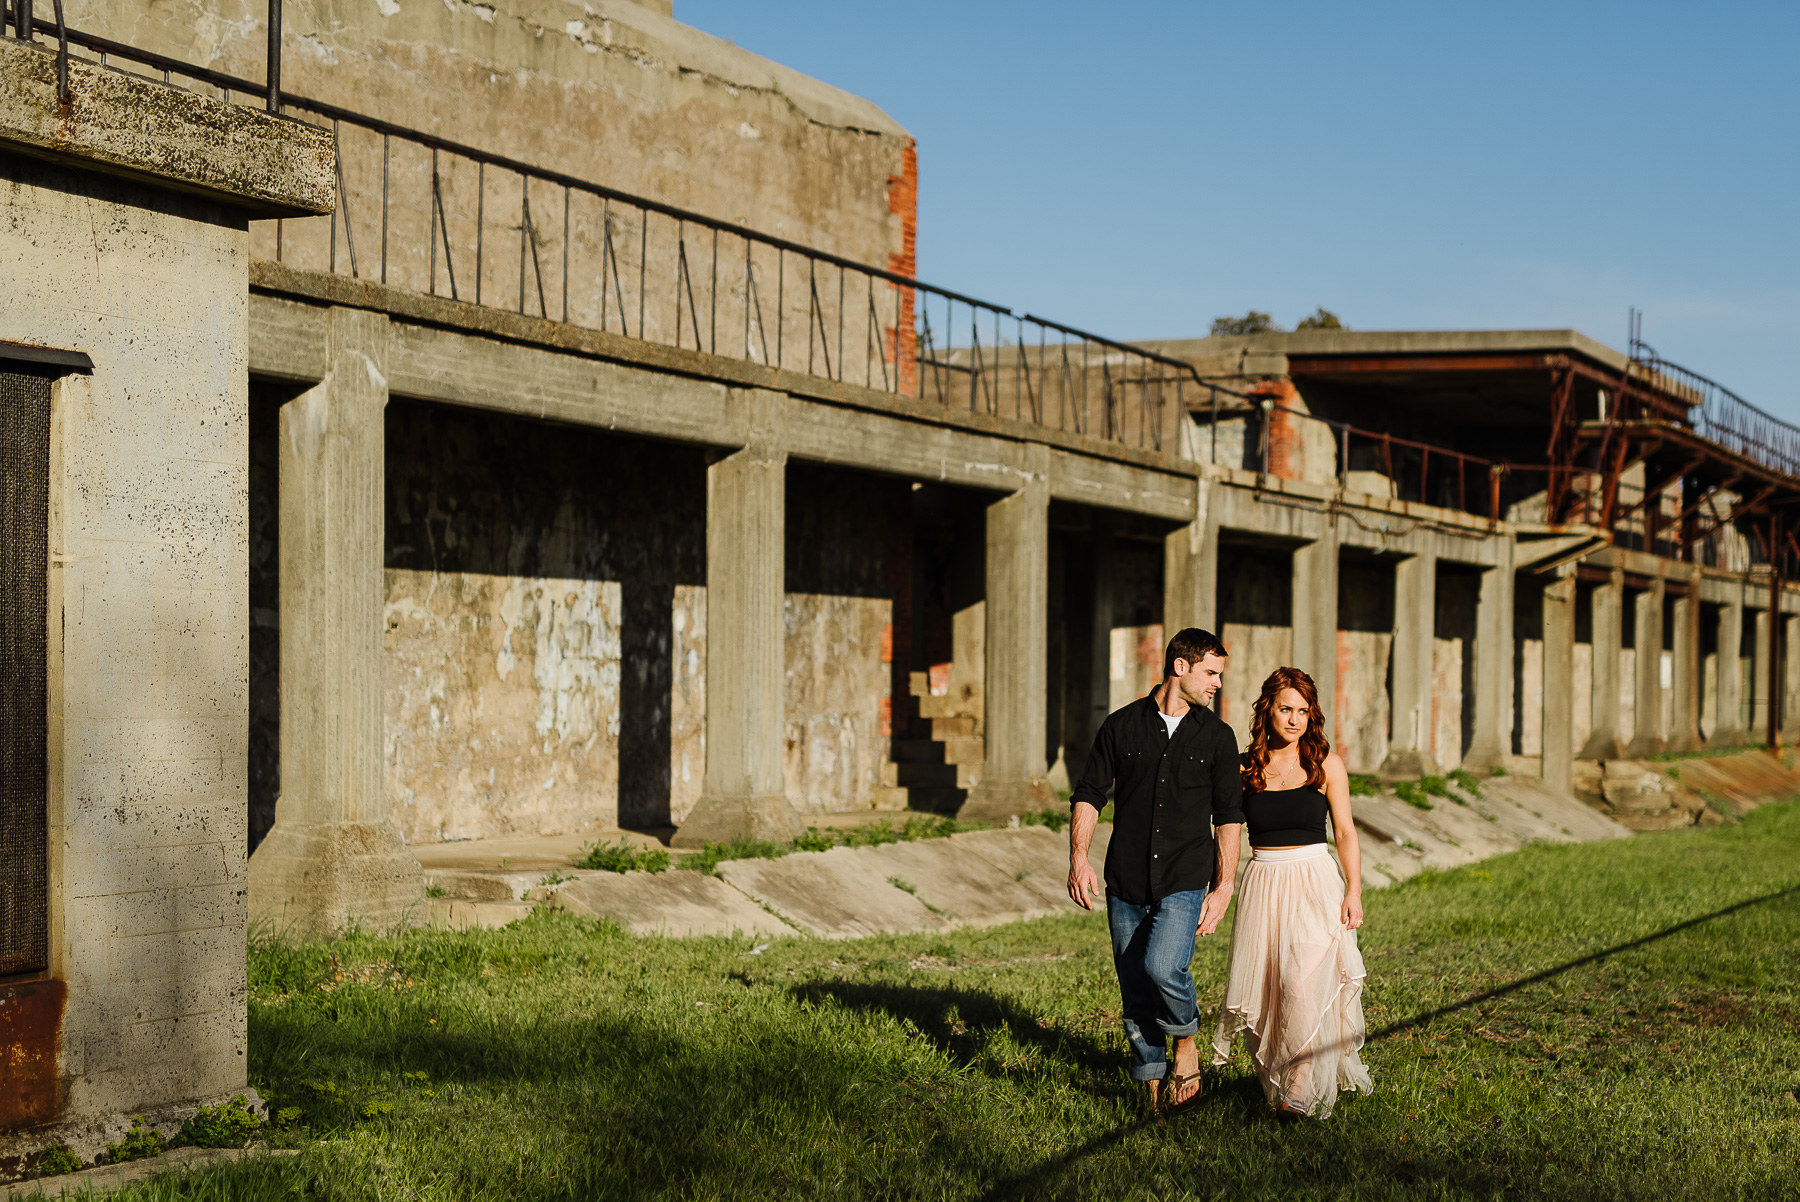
x=1314, y=746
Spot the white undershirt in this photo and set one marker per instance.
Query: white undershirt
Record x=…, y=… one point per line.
x=1171, y=721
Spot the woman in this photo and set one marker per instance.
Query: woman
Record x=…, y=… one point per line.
x=1295, y=986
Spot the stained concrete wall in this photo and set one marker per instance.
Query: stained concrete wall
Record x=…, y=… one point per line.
x=615, y=93
x=142, y=1006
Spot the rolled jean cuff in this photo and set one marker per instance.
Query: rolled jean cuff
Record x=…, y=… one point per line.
x=1150, y=1072
x=1183, y=1031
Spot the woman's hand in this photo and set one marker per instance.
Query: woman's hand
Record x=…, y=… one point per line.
x=1351, y=911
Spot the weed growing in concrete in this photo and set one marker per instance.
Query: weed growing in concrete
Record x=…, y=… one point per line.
x=54, y=1161
x=621, y=857
x=708, y=858
x=1364, y=786
x=140, y=1143
x=434, y=891
x=1467, y=782
x=921, y=826
x=1055, y=819
x=228, y=1125
x=1497, y=770
x=1437, y=786
x=1412, y=792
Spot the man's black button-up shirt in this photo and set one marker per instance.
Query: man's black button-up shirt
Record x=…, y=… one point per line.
x=1169, y=791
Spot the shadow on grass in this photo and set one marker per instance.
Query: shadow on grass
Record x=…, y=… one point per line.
x=959, y=1021
x=1348, y=1160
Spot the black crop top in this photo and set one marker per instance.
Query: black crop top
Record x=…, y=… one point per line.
x=1286, y=817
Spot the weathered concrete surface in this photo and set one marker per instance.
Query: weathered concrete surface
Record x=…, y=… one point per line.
x=106, y=1178
x=1511, y=812
x=615, y=92
x=146, y=620
x=164, y=137
x=668, y=903
x=843, y=893
x=334, y=855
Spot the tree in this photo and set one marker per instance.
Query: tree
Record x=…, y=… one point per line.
x=1253, y=322
x=1324, y=319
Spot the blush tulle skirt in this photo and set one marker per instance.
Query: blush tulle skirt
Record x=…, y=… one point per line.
x=1295, y=986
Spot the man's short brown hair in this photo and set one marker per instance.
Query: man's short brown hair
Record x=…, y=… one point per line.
x=1193, y=645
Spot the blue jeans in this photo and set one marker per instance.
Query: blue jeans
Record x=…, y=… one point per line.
x=1152, y=947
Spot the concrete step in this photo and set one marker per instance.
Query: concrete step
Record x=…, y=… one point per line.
x=481, y=886
x=457, y=915
x=963, y=727
x=917, y=775
x=950, y=707
x=937, y=801
x=935, y=750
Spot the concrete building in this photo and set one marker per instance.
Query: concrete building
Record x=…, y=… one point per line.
x=124, y=356
x=594, y=461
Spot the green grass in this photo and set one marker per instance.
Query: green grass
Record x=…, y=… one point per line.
x=1614, y=1021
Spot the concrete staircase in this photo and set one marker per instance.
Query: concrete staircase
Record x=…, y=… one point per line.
x=941, y=761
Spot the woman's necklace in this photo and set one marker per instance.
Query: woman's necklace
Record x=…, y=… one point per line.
x=1284, y=771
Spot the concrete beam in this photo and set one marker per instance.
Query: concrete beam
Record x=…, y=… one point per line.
x=1415, y=619
x=1491, y=746
x=122, y=124
x=1684, y=708
x=1018, y=580
x=744, y=793
x=1558, y=736
x=1647, y=735
x=333, y=857
x=1604, y=742
x=1315, y=589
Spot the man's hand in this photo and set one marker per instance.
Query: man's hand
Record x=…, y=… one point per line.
x=1084, y=886
x=1212, y=910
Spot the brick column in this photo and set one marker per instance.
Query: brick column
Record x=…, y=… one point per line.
x=333, y=856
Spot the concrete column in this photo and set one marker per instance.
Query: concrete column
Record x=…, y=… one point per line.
x=1790, y=679
x=1558, y=737
x=1728, y=729
x=1191, y=570
x=333, y=856
x=1647, y=736
x=1608, y=622
x=1759, y=680
x=1684, y=708
x=744, y=794
x=1415, y=621
x=1014, y=763
x=1315, y=618
x=1491, y=746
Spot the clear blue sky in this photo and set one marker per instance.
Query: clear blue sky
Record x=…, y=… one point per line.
x=1141, y=169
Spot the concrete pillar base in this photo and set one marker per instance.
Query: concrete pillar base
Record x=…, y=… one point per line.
x=321, y=878
x=1687, y=742
x=722, y=819
x=1601, y=748
x=1727, y=736
x=1641, y=748
x=1408, y=765
x=998, y=800
x=1483, y=757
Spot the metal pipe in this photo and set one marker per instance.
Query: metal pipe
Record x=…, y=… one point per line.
x=274, y=71
x=62, y=56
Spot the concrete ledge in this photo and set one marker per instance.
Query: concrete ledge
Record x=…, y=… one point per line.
x=165, y=136
x=105, y=1178
x=668, y=903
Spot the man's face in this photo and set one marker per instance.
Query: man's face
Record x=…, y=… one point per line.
x=1199, y=682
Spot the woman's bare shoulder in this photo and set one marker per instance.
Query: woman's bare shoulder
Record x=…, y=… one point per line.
x=1334, y=767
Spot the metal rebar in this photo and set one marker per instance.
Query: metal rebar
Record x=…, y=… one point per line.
x=384, y=207
x=431, y=236
x=643, y=258
x=480, y=222
x=713, y=292
x=62, y=56
x=780, y=301
x=274, y=66
x=565, y=281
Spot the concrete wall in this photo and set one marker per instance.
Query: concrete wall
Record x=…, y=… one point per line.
x=617, y=94
x=142, y=1006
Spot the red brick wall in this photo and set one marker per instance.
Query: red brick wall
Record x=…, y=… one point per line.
x=903, y=200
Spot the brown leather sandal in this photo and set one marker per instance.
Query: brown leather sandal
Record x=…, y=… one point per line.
x=1174, y=1084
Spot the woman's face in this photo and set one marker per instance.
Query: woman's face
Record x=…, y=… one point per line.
x=1288, y=715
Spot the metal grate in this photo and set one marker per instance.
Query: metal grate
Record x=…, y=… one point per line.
x=24, y=563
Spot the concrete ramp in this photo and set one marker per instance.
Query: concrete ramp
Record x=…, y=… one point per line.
x=843, y=893
x=667, y=903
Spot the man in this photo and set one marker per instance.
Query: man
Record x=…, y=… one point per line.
x=1173, y=767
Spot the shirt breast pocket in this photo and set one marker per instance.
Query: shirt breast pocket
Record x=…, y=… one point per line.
x=1193, y=776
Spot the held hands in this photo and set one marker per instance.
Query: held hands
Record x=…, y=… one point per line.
x=1084, y=886
x=1351, y=911
x=1212, y=910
